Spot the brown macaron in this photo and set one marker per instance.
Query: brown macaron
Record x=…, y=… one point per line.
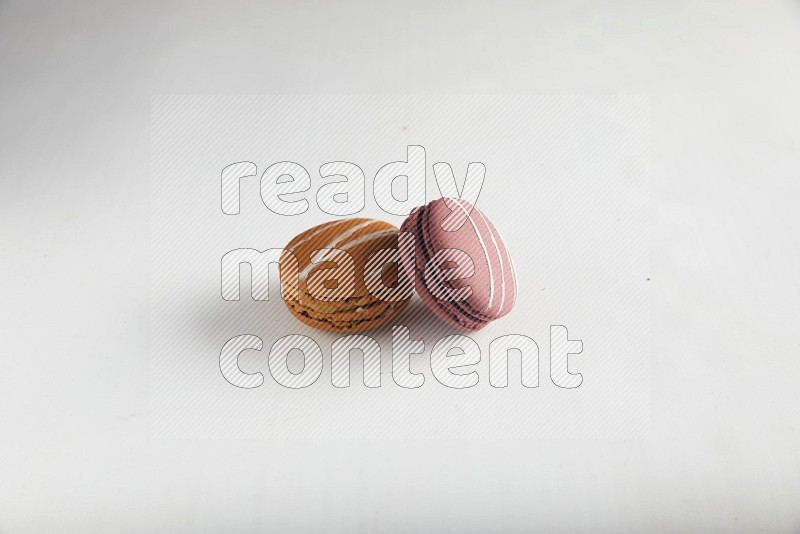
x=331, y=274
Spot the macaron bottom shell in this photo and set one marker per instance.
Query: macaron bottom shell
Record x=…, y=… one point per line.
x=359, y=319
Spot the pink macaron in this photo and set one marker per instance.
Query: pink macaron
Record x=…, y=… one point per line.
x=460, y=265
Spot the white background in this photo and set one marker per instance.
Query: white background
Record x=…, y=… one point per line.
x=77, y=452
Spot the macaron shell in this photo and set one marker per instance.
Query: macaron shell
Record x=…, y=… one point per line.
x=452, y=313
x=455, y=224
x=344, y=308
x=494, y=286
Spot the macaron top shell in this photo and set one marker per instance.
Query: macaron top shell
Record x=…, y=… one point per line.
x=324, y=290
x=457, y=225
x=358, y=237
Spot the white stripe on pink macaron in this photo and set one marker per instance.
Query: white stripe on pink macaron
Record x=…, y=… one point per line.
x=508, y=260
x=492, y=233
x=485, y=252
